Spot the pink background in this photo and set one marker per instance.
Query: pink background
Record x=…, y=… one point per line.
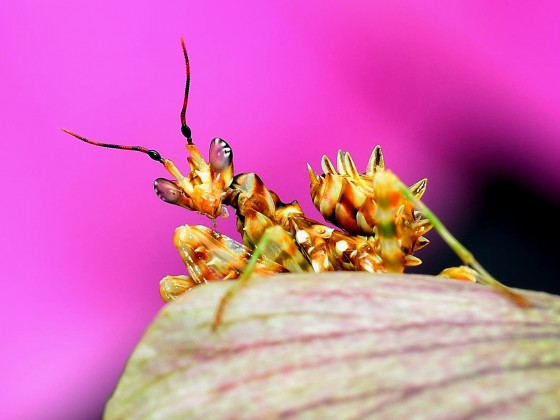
x=450, y=92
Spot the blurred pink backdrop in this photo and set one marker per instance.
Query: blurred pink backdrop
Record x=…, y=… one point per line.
x=448, y=91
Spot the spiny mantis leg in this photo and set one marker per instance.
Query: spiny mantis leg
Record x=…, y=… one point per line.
x=275, y=244
x=210, y=256
x=463, y=253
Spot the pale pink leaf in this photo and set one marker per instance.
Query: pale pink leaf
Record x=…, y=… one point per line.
x=347, y=345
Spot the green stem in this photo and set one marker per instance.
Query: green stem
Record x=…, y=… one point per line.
x=463, y=253
x=242, y=280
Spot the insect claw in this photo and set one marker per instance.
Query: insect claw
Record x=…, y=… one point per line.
x=376, y=161
x=419, y=188
x=171, y=287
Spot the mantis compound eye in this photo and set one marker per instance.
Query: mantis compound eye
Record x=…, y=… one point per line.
x=168, y=191
x=221, y=155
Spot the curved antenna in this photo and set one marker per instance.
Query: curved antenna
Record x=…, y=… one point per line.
x=184, y=127
x=151, y=153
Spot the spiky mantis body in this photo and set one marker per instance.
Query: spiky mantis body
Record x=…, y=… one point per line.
x=302, y=244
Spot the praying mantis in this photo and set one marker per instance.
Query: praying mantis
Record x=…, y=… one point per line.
x=380, y=222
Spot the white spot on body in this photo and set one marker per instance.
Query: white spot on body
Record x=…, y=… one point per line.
x=341, y=246
x=302, y=236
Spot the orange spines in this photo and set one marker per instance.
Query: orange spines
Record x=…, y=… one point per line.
x=370, y=204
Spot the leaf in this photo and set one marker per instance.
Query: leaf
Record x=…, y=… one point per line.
x=347, y=345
